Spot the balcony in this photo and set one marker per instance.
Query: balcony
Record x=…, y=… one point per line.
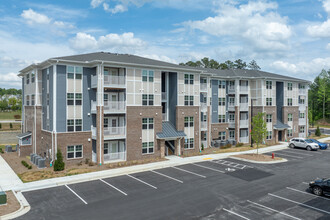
x=110, y=81
x=302, y=107
x=164, y=96
x=114, y=157
x=203, y=125
x=203, y=87
x=244, y=89
x=302, y=92
x=231, y=107
x=302, y=121
x=244, y=139
x=244, y=123
x=231, y=124
x=111, y=133
x=110, y=107
x=244, y=106
x=231, y=89
x=203, y=107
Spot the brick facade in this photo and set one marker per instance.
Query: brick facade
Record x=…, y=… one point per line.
x=295, y=119
x=216, y=128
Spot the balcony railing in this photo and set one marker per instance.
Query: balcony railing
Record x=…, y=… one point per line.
x=302, y=91
x=164, y=95
x=302, y=107
x=302, y=121
x=244, y=106
x=203, y=106
x=203, y=87
x=110, y=81
x=243, y=123
x=231, y=106
x=231, y=124
x=231, y=89
x=114, y=156
x=243, y=89
x=244, y=139
x=113, y=132
x=117, y=106
x=204, y=125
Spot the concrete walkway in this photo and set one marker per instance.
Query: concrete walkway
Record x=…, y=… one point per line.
x=8, y=178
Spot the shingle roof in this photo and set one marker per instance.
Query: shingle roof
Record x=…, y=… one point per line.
x=169, y=131
x=280, y=126
x=23, y=135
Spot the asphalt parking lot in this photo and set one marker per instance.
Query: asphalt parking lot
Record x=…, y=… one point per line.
x=211, y=189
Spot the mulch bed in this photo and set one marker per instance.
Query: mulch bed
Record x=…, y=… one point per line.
x=257, y=157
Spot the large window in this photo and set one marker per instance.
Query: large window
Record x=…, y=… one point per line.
x=290, y=102
x=188, y=122
x=269, y=135
x=290, y=133
x=268, y=118
x=302, y=129
x=147, y=75
x=222, y=135
x=269, y=101
x=70, y=125
x=147, y=123
x=32, y=77
x=78, y=124
x=189, y=79
x=70, y=98
x=32, y=99
x=231, y=134
x=74, y=152
x=188, y=100
x=269, y=84
x=222, y=84
x=147, y=147
x=78, y=98
x=189, y=143
x=222, y=118
x=290, y=117
x=290, y=86
x=222, y=101
x=27, y=78
x=147, y=99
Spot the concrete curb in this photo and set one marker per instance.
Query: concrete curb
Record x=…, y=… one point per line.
x=25, y=207
x=260, y=162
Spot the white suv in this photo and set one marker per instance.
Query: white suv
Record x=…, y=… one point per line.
x=303, y=143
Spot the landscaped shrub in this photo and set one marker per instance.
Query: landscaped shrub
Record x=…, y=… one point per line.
x=0, y=125
x=226, y=146
x=59, y=164
x=86, y=161
x=26, y=164
x=11, y=125
x=318, y=131
x=91, y=163
x=17, y=116
x=239, y=144
x=1, y=151
x=202, y=146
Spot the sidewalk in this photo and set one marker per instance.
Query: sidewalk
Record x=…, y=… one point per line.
x=8, y=178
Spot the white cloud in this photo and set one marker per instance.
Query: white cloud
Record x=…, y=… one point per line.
x=321, y=29
x=326, y=6
x=96, y=3
x=117, y=9
x=125, y=42
x=10, y=80
x=33, y=17
x=328, y=46
x=256, y=23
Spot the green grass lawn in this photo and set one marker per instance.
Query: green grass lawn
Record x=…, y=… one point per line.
x=9, y=115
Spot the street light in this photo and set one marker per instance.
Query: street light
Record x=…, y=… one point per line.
x=251, y=120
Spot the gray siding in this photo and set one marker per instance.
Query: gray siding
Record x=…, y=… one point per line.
x=173, y=97
x=88, y=95
x=61, y=98
x=279, y=100
x=215, y=103
x=51, y=99
x=44, y=98
x=23, y=102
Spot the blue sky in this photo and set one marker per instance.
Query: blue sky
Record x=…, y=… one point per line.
x=284, y=37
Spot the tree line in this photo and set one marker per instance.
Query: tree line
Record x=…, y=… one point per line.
x=10, y=103
x=10, y=91
x=213, y=64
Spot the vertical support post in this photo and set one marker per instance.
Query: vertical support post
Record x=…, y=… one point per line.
x=251, y=122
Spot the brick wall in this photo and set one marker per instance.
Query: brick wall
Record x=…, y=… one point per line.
x=216, y=128
x=25, y=150
x=295, y=118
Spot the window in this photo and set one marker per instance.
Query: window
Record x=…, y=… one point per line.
x=74, y=152
x=78, y=98
x=290, y=117
x=222, y=118
x=27, y=100
x=302, y=129
x=231, y=118
x=106, y=148
x=78, y=124
x=289, y=86
x=289, y=132
x=70, y=98
x=151, y=76
x=301, y=115
x=188, y=122
x=147, y=147
x=189, y=79
x=301, y=86
x=203, y=80
x=231, y=134
x=144, y=75
x=70, y=72
x=269, y=135
x=32, y=77
x=268, y=101
x=188, y=100
x=222, y=101
x=32, y=99
x=27, y=78
x=301, y=100
x=222, y=84
x=222, y=135
x=268, y=118
x=189, y=143
x=78, y=71
x=289, y=102
x=147, y=123
x=70, y=125
x=269, y=84
x=231, y=101
x=147, y=99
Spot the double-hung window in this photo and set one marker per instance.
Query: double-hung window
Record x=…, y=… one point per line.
x=189, y=79
x=147, y=123
x=27, y=100
x=269, y=135
x=78, y=98
x=74, y=152
x=301, y=115
x=290, y=102
x=222, y=135
x=269, y=84
x=32, y=99
x=70, y=72
x=147, y=75
x=290, y=86
x=147, y=147
x=302, y=129
x=231, y=118
x=78, y=124
x=189, y=143
x=268, y=118
x=268, y=101
x=222, y=84
x=290, y=117
x=78, y=72
x=32, y=77
x=301, y=86
x=70, y=98
x=222, y=101
x=290, y=133
x=70, y=125
x=188, y=100
x=27, y=78
x=147, y=99
x=188, y=122
x=231, y=134
x=222, y=118
x=301, y=100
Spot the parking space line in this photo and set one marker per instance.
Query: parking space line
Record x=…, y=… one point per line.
x=142, y=181
x=208, y=168
x=236, y=214
x=187, y=171
x=289, y=155
x=283, y=213
x=297, y=153
x=76, y=194
x=114, y=187
x=180, y=181
x=308, y=193
x=299, y=203
x=305, y=183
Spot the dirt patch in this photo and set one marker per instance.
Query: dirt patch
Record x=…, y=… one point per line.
x=313, y=136
x=9, y=137
x=11, y=206
x=257, y=157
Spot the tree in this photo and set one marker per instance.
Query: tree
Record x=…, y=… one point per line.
x=318, y=131
x=59, y=164
x=253, y=65
x=240, y=64
x=259, y=129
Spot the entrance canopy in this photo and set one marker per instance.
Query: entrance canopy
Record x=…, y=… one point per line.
x=280, y=126
x=169, y=132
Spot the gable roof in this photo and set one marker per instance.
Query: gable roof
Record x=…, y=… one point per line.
x=169, y=131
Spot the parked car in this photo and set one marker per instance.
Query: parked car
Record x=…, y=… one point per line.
x=323, y=146
x=303, y=143
x=320, y=186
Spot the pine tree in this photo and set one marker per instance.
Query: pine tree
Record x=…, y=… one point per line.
x=318, y=131
x=59, y=164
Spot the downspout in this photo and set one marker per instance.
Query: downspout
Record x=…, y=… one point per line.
x=35, y=110
x=100, y=96
x=54, y=146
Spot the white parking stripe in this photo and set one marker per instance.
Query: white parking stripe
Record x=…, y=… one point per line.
x=298, y=153
x=142, y=181
x=299, y=203
x=180, y=181
x=208, y=168
x=305, y=183
x=114, y=187
x=288, y=155
x=76, y=194
x=236, y=214
x=283, y=213
x=308, y=193
x=187, y=171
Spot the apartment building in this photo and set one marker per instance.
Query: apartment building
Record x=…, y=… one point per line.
x=109, y=107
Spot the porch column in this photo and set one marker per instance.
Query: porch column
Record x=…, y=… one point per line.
x=100, y=115
x=179, y=147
